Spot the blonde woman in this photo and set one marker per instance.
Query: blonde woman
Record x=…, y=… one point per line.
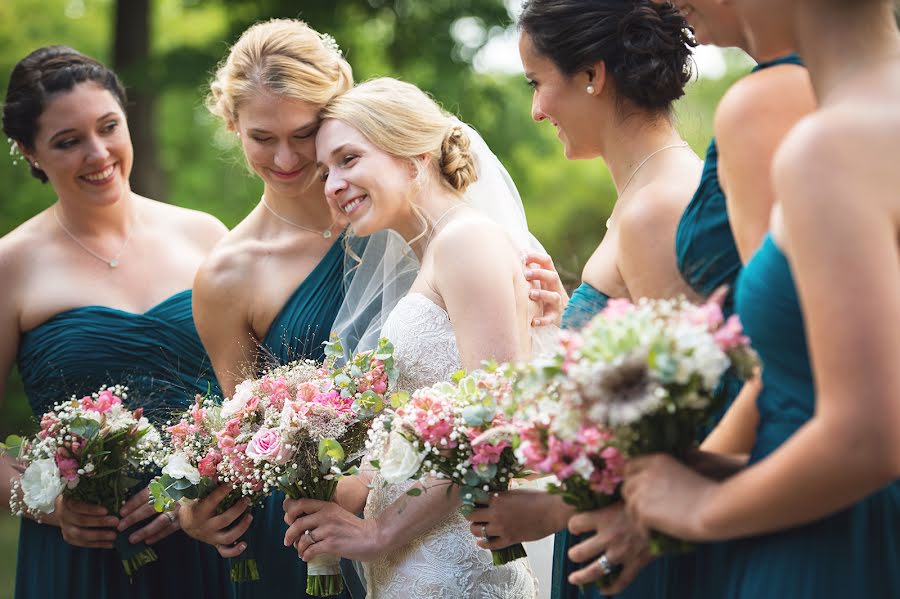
x=270, y=290
x=393, y=160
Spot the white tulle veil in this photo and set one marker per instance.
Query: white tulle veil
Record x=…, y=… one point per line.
x=380, y=269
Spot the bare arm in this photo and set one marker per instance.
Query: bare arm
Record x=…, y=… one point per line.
x=841, y=236
x=220, y=314
x=736, y=432
x=9, y=345
x=773, y=100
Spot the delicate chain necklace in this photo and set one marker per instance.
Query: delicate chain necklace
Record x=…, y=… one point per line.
x=642, y=163
x=326, y=233
x=112, y=262
x=440, y=218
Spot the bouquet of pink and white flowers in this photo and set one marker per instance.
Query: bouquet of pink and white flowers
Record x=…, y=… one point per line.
x=454, y=431
x=89, y=449
x=642, y=377
x=300, y=428
x=190, y=470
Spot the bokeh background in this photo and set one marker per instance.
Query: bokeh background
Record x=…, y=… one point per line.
x=461, y=51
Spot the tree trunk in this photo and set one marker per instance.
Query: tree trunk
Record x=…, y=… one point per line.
x=131, y=60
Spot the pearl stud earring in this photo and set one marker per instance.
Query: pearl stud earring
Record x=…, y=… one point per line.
x=589, y=89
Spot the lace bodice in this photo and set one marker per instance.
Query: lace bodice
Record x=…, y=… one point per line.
x=444, y=563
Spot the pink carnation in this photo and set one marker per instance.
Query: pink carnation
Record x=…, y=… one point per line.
x=207, y=465
x=616, y=308
x=68, y=467
x=486, y=453
x=731, y=334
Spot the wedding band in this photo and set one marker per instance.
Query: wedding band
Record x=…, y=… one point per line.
x=311, y=538
x=171, y=517
x=484, y=534
x=606, y=566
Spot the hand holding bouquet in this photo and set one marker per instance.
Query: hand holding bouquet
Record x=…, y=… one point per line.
x=90, y=450
x=300, y=428
x=455, y=431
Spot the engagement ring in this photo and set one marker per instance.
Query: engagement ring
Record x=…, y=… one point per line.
x=484, y=534
x=311, y=538
x=605, y=565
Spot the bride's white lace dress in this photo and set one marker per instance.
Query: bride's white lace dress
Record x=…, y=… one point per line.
x=444, y=563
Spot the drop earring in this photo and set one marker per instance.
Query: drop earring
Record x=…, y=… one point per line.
x=590, y=89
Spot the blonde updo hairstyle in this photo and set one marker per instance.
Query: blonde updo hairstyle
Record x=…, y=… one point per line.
x=406, y=123
x=285, y=57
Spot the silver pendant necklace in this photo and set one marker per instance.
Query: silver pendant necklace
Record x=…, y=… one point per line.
x=326, y=233
x=112, y=262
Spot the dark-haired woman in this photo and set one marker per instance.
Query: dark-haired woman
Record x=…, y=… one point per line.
x=97, y=291
x=605, y=74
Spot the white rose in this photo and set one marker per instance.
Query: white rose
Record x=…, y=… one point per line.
x=400, y=460
x=240, y=397
x=42, y=484
x=179, y=467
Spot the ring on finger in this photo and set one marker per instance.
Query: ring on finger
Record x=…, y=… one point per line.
x=171, y=516
x=484, y=534
x=606, y=566
x=311, y=537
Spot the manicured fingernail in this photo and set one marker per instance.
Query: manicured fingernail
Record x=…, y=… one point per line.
x=529, y=272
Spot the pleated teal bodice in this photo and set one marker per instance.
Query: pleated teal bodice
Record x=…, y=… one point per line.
x=298, y=331
x=159, y=356
x=585, y=303
x=853, y=553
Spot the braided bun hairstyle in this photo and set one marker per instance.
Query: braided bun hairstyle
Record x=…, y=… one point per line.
x=405, y=122
x=644, y=45
x=38, y=77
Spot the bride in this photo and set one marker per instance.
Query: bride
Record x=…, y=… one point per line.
x=392, y=160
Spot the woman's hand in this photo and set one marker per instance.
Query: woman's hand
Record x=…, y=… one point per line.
x=323, y=527
x=663, y=494
x=614, y=535
x=84, y=524
x=137, y=509
x=518, y=516
x=201, y=522
x=548, y=289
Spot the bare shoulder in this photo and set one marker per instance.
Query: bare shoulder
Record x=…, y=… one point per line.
x=761, y=97
x=830, y=156
x=21, y=246
x=204, y=229
x=228, y=270
x=469, y=239
x=654, y=210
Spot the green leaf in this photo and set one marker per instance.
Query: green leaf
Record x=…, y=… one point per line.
x=458, y=376
x=331, y=449
x=12, y=447
x=398, y=399
x=414, y=492
x=85, y=427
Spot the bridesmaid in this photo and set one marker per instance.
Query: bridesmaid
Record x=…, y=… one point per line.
x=269, y=292
x=605, y=74
x=721, y=228
x=816, y=513
x=97, y=291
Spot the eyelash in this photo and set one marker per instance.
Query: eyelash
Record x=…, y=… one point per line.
x=346, y=160
x=305, y=137
x=71, y=141
x=531, y=83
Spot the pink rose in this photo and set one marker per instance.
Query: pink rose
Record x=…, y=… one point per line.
x=486, y=453
x=266, y=445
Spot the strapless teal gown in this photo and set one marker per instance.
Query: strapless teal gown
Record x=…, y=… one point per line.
x=159, y=356
x=854, y=553
x=585, y=303
x=705, y=248
x=298, y=332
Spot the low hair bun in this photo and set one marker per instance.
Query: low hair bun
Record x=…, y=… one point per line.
x=457, y=163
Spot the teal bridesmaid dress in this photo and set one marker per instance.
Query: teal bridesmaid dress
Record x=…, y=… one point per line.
x=853, y=553
x=158, y=355
x=705, y=249
x=298, y=332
